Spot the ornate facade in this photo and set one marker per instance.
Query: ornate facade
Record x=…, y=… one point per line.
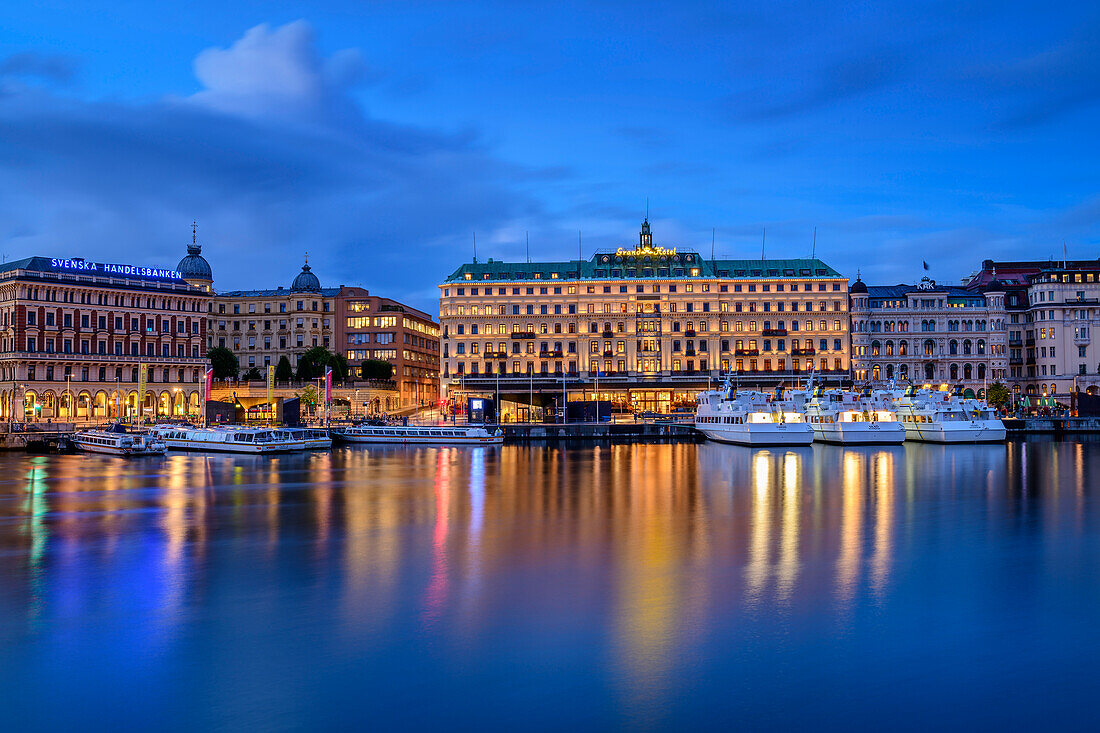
x=74, y=334
x=653, y=324
x=928, y=333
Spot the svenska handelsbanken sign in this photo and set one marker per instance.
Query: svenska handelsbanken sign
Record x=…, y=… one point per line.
x=111, y=269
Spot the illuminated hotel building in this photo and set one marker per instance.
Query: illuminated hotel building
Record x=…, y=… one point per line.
x=73, y=334
x=653, y=324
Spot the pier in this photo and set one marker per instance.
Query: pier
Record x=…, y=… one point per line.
x=641, y=431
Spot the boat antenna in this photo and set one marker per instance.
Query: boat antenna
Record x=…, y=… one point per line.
x=813, y=251
x=528, y=235
x=712, y=246
x=475, y=248
x=763, y=238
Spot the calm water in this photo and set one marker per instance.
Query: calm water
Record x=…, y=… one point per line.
x=626, y=586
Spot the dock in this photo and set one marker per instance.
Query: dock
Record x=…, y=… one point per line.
x=640, y=431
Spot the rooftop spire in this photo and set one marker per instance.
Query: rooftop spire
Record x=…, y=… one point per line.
x=194, y=248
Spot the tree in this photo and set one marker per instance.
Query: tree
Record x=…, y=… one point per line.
x=310, y=396
x=283, y=370
x=998, y=395
x=252, y=375
x=312, y=363
x=377, y=369
x=224, y=362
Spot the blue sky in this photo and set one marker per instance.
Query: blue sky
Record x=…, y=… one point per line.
x=380, y=136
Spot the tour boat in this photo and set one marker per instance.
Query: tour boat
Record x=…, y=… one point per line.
x=751, y=418
x=118, y=443
x=936, y=416
x=850, y=418
x=228, y=439
x=312, y=438
x=438, y=434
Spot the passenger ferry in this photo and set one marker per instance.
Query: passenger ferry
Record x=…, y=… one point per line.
x=850, y=418
x=312, y=438
x=438, y=434
x=118, y=443
x=229, y=439
x=936, y=416
x=751, y=418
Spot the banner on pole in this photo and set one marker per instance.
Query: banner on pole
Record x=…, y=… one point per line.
x=328, y=384
x=143, y=378
x=270, y=388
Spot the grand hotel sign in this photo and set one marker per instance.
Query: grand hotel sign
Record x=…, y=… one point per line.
x=645, y=252
x=106, y=268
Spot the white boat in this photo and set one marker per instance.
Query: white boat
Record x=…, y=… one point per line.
x=850, y=418
x=437, y=434
x=118, y=443
x=228, y=439
x=312, y=438
x=936, y=416
x=751, y=418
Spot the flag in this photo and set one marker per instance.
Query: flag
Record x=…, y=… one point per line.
x=925, y=264
x=207, y=385
x=328, y=384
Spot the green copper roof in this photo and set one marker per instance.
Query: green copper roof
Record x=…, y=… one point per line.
x=609, y=266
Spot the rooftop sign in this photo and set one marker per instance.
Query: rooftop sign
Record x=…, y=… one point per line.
x=105, y=268
x=645, y=252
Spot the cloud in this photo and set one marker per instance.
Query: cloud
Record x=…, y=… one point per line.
x=55, y=68
x=272, y=156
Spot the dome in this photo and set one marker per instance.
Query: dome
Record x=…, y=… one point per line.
x=993, y=286
x=858, y=287
x=194, y=266
x=306, y=282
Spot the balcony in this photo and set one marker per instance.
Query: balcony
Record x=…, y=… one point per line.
x=608, y=352
x=1081, y=338
x=496, y=354
x=1030, y=343
x=554, y=354
x=746, y=352
x=775, y=332
x=1015, y=360
x=803, y=352
x=689, y=333
x=1015, y=342
x=608, y=334
x=689, y=352
x=523, y=334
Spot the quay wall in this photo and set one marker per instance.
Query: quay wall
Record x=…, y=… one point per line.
x=600, y=431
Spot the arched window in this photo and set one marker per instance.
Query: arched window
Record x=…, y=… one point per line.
x=929, y=347
x=967, y=346
x=981, y=371
x=903, y=371
x=889, y=348
x=875, y=373
x=929, y=371
x=876, y=347
x=903, y=348
x=952, y=347
x=968, y=372
x=889, y=371
x=954, y=371
x=981, y=346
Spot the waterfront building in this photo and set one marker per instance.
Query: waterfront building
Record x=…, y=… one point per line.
x=75, y=333
x=928, y=333
x=652, y=324
x=1053, y=309
x=370, y=327
x=262, y=326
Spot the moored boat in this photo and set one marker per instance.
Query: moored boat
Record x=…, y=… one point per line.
x=750, y=417
x=437, y=434
x=229, y=439
x=118, y=443
x=937, y=416
x=312, y=438
x=850, y=418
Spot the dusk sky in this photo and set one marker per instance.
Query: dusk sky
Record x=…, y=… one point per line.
x=381, y=136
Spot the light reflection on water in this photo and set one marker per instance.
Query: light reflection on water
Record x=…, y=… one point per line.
x=636, y=585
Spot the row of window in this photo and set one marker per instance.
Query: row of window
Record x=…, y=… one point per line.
x=117, y=300
x=656, y=288
x=118, y=348
x=120, y=323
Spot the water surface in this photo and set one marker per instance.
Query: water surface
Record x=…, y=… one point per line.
x=649, y=586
